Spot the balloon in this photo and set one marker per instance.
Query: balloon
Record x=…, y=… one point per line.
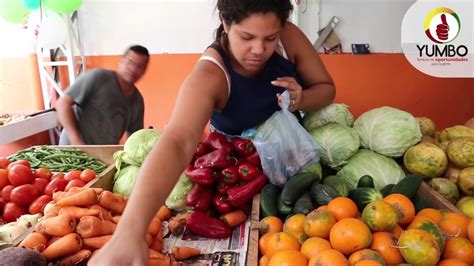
x=52, y=31
x=13, y=11
x=63, y=6
x=31, y=4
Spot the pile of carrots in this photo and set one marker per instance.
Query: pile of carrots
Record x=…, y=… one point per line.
x=82, y=220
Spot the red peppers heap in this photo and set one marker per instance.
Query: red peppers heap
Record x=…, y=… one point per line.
x=226, y=175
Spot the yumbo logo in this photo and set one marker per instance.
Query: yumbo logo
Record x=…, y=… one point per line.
x=442, y=25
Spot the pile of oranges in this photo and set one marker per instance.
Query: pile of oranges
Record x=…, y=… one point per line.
x=335, y=234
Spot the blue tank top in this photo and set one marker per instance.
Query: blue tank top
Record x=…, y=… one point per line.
x=251, y=100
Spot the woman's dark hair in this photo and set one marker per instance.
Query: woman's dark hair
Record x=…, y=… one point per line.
x=234, y=11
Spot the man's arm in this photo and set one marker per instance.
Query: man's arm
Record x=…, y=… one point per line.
x=68, y=120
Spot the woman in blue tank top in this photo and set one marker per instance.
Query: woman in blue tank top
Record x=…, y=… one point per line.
x=257, y=55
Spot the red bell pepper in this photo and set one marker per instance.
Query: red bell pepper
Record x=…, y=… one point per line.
x=246, y=207
x=216, y=159
x=248, y=171
x=202, y=149
x=205, y=200
x=221, y=204
x=207, y=226
x=218, y=141
x=241, y=194
x=230, y=175
x=202, y=176
x=223, y=187
x=244, y=147
x=194, y=195
x=254, y=159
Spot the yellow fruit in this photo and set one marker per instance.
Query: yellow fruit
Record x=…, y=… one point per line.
x=318, y=223
x=313, y=246
x=295, y=227
x=455, y=132
x=425, y=159
x=461, y=152
x=288, y=258
x=427, y=126
x=466, y=180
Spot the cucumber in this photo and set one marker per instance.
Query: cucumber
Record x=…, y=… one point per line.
x=420, y=203
x=303, y=205
x=268, y=200
x=387, y=190
x=296, y=186
x=283, y=208
x=364, y=195
x=408, y=186
x=322, y=194
x=366, y=181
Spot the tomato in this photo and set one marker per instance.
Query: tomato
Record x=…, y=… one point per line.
x=20, y=175
x=43, y=173
x=22, y=162
x=40, y=184
x=6, y=191
x=56, y=184
x=4, y=178
x=4, y=162
x=24, y=195
x=87, y=175
x=38, y=205
x=74, y=183
x=57, y=175
x=71, y=175
x=2, y=204
x=12, y=211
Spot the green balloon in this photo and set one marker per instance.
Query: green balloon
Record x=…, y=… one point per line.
x=63, y=6
x=13, y=11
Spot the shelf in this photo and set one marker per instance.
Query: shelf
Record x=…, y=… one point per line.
x=29, y=126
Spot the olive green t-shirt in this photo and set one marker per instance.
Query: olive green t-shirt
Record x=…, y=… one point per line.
x=103, y=113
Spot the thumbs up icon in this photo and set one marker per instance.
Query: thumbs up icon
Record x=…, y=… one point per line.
x=442, y=29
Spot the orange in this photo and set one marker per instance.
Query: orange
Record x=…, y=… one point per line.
x=397, y=231
x=312, y=246
x=431, y=213
x=281, y=241
x=403, y=205
x=295, y=227
x=452, y=262
x=349, y=235
x=459, y=248
x=368, y=263
x=329, y=257
x=470, y=230
x=454, y=224
x=365, y=254
x=318, y=223
x=342, y=207
x=263, y=243
x=323, y=207
x=274, y=224
x=263, y=261
x=417, y=220
x=288, y=258
x=385, y=244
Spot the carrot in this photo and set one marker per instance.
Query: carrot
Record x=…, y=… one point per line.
x=35, y=241
x=78, y=212
x=104, y=213
x=157, y=244
x=58, y=195
x=96, y=242
x=91, y=226
x=149, y=239
x=53, y=239
x=175, y=227
x=181, y=218
x=154, y=227
x=160, y=235
x=163, y=213
x=152, y=254
x=112, y=202
x=51, y=210
x=76, y=258
x=80, y=199
x=234, y=218
x=65, y=246
x=159, y=261
x=97, y=190
x=116, y=219
x=182, y=253
x=57, y=226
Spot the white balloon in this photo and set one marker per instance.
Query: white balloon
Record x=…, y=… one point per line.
x=53, y=31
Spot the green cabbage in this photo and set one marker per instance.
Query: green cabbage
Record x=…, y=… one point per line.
x=384, y=170
x=338, y=143
x=388, y=131
x=339, y=184
x=336, y=112
x=177, y=197
x=136, y=148
x=125, y=179
x=314, y=168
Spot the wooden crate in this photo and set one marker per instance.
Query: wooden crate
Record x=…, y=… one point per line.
x=434, y=199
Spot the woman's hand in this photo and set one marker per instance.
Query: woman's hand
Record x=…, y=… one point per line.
x=122, y=249
x=293, y=88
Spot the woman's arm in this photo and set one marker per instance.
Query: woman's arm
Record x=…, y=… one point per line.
x=319, y=89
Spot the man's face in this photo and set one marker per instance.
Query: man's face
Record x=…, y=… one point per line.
x=132, y=66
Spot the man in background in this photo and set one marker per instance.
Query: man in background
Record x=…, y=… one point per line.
x=103, y=104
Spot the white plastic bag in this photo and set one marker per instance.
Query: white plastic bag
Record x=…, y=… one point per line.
x=283, y=145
